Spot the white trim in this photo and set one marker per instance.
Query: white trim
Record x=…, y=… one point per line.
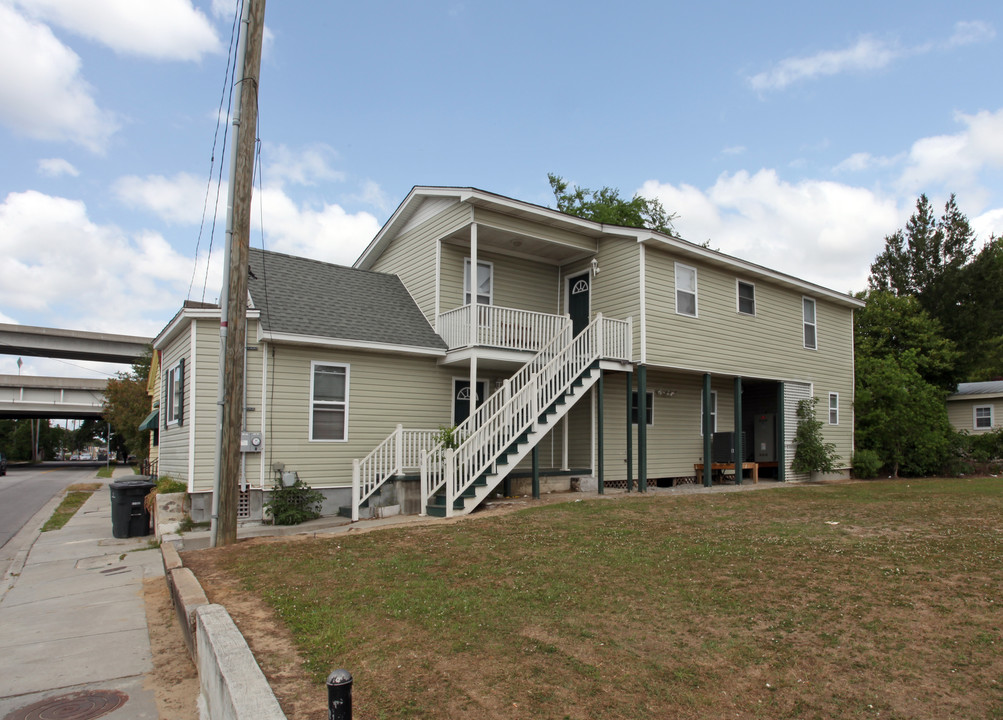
x=438, y=283
x=344, y=403
x=466, y=276
x=831, y=408
x=975, y=417
x=190, y=397
x=190, y=314
x=805, y=323
x=346, y=344
x=265, y=369
x=696, y=302
x=642, y=287
x=738, y=297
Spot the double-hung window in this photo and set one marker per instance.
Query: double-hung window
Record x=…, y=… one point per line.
x=329, y=401
x=174, y=394
x=485, y=282
x=810, y=328
x=834, y=408
x=686, y=290
x=746, y=298
x=983, y=417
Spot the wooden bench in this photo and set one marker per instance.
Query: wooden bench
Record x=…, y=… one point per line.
x=722, y=467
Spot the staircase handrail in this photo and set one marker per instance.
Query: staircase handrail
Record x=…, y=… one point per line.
x=400, y=450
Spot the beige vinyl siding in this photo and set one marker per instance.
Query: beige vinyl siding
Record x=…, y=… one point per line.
x=516, y=283
x=411, y=256
x=383, y=390
x=255, y=358
x=768, y=345
x=174, y=440
x=579, y=420
x=961, y=413
x=674, y=440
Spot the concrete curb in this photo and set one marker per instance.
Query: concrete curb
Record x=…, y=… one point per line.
x=25, y=539
x=232, y=684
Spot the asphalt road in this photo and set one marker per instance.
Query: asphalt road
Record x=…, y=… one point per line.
x=25, y=489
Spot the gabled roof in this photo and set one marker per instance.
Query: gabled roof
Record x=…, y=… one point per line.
x=587, y=228
x=302, y=299
x=973, y=390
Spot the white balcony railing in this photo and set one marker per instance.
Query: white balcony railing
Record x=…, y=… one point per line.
x=501, y=327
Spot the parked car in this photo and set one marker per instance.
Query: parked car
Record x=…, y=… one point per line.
x=74, y=456
x=3, y=464
x=85, y=456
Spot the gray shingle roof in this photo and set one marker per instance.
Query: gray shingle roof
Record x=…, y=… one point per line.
x=299, y=296
x=980, y=388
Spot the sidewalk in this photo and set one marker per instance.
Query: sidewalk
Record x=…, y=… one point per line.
x=73, y=633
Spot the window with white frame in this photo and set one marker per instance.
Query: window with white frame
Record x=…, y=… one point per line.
x=810, y=328
x=329, y=401
x=485, y=282
x=686, y=290
x=746, y=298
x=834, y=408
x=713, y=412
x=649, y=413
x=174, y=394
x=983, y=417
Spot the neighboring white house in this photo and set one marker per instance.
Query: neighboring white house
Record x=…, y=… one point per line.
x=976, y=407
x=564, y=332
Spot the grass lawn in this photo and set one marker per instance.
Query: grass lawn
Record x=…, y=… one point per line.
x=863, y=600
x=76, y=495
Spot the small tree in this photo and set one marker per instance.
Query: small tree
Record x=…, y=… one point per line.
x=812, y=453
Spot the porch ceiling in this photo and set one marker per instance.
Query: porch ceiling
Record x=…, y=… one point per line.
x=506, y=242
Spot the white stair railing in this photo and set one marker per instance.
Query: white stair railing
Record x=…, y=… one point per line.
x=540, y=383
x=401, y=450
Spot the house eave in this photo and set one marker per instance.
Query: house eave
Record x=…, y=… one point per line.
x=347, y=344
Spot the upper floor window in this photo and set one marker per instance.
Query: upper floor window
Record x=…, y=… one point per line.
x=983, y=417
x=746, y=298
x=485, y=282
x=328, y=401
x=686, y=290
x=810, y=329
x=834, y=408
x=174, y=394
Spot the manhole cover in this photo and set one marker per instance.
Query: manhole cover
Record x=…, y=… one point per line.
x=86, y=705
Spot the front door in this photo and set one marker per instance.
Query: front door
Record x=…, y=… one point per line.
x=578, y=302
x=461, y=399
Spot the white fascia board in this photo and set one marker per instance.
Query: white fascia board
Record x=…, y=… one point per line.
x=181, y=320
x=990, y=396
x=317, y=341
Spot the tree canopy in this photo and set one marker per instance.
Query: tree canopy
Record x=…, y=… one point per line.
x=605, y=205
x=126, y=406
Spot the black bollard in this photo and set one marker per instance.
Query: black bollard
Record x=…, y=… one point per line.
x=339, y=695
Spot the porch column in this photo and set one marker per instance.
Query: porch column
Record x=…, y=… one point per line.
x=472, y=403
x=739, y=450
x=642, y=428
x=708, y=430
x=780, y=436
x=536, y=472
x=630, y=434
x=599, y=439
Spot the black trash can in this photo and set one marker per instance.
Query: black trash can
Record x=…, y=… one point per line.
x=129, y=516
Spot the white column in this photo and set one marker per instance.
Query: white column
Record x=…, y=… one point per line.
x=473, y=320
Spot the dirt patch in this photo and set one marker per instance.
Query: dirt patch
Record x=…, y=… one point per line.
x=174, y=679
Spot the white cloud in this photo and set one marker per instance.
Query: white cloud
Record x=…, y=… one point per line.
x=302, y=167
x=177, y=200
x=824, y=232
x=866, y=54
x=64, y=270
x=56, y=167
x=372, y=194
x=42, y=93
x=955, y=162
x=161, y=29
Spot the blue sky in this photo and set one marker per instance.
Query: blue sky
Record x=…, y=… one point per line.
x=794, y=135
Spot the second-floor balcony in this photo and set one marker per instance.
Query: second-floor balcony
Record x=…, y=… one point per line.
x=500, y=327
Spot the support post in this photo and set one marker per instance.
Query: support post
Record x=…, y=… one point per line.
x=356, y=489
x=708, y=432
x=630, y=431
x=599, y=434
x=739, y=450
x=339, y=695
x=474, y=319
x=642, y=428
x=536, y=472
x=450, y=473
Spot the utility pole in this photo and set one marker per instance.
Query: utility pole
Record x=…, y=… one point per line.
x=233, y=330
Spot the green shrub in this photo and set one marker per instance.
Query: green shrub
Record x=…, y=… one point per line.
x=866, y=464
x=812, y=453
x=986, y=447
x=167, y=484
x=294, y=504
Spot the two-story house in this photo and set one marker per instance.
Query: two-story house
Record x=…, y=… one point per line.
x=555, y=346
